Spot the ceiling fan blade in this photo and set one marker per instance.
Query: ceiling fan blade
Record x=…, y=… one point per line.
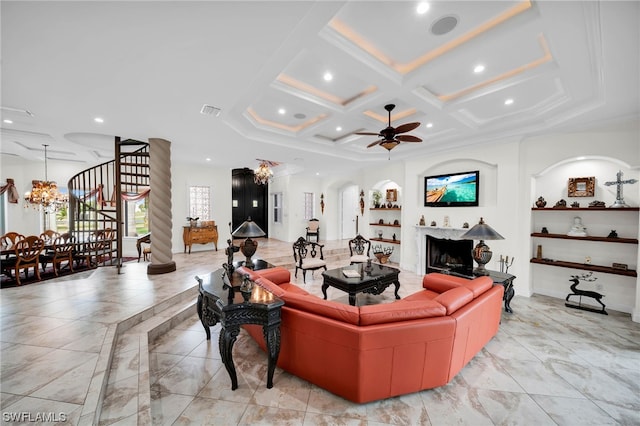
x=408, y=138
x=367, y=133
x=403, y=128
x=375, y=143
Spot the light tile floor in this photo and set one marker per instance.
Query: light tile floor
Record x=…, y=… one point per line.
x=547, y=365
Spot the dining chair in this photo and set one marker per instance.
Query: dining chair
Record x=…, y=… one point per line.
x=27, y=255
x=61, y=251
x=49, y=236
x=9, y=240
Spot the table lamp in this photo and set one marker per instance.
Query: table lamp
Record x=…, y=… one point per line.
x=481, y=253
x=248, y=247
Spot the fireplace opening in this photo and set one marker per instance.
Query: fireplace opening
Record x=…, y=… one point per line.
x=449, y=256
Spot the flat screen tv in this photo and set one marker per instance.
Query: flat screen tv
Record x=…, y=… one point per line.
x=452, y=190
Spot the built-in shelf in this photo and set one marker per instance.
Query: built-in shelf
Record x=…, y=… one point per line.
x=588, y=238
x=585, y=266
x=385, y=240
x=593, y=209
x=386, y=224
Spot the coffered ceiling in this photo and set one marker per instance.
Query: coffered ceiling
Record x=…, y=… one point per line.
x=295, y=80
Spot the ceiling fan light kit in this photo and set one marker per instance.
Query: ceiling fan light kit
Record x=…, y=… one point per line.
x=391, y=136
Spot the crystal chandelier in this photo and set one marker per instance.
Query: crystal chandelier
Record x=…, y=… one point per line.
x=44, y=193
x=263, y=174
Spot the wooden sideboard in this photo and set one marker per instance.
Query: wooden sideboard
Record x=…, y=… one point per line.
x=206, y=232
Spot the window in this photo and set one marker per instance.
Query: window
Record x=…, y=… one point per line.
x=277, y=207
x=308, y=206
x=199, y=202
x=136, y=217
x=3, y=208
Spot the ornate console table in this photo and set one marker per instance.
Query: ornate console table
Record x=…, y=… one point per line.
x=221, y=300
x=206, y=232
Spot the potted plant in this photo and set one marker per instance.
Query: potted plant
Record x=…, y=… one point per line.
x=377, y=196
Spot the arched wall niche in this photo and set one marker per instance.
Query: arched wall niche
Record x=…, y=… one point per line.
x=488, y=178
x=551, y=183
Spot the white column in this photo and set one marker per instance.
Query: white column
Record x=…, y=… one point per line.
x=160, y=215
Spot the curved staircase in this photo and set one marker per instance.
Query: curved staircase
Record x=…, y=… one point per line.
x=96, y=199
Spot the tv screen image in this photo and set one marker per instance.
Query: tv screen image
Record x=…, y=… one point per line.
x=452, y=189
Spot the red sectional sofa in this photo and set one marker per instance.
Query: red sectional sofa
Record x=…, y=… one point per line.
x=374, y=352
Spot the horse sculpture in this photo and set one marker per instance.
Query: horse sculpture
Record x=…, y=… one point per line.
x=575, y=279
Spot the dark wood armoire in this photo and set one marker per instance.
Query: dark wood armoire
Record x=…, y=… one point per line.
x=248, y=200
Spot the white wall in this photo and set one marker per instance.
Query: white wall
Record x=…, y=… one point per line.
x=219, y=180
x=499, y=186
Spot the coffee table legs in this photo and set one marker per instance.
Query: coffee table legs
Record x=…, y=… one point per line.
x=325, y=286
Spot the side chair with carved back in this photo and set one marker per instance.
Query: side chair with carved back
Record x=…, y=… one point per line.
x=308, y=256
x=359, y=248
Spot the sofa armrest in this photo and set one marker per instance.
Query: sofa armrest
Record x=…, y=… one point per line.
x=277, y=275
x=479, y=285
x=441, y=282
x=455, y=299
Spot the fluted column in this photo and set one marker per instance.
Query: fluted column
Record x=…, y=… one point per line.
x=160, y=207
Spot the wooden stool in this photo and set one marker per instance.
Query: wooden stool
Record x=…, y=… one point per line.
x=146, y=253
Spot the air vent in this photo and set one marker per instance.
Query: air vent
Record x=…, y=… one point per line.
x=210, y=110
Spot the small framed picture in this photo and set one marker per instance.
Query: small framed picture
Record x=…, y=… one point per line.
x=582, y=187
x=392, y=195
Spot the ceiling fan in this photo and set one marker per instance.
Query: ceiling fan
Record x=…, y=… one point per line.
x=391, y=137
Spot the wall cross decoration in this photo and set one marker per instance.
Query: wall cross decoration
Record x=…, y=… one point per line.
x=619, y=182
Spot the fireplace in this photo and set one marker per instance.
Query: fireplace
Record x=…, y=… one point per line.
x=449, y=256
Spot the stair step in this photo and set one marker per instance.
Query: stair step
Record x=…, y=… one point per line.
x=140, y=331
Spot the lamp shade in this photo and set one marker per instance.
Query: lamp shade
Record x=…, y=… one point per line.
x=481, y=231
x=248, y=229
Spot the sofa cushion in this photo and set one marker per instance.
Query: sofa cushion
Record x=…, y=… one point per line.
x=326, y=308
x=479, y=285
x=454, y=299
x=313, y=263
x=422, y=295
x=441, y=282
x=401, y=310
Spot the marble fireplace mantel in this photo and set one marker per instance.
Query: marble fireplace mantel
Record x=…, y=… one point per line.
x=435, y=232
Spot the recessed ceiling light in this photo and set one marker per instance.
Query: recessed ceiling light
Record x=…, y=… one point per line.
x=508, y=101
x=429, y=125
x=281, y=111
x=208, y=159
x=98, y=120
x=6, y=120
x=423, y=7
x=317, y=173
x=338, y=129
x=478, y=69
x=327, y=76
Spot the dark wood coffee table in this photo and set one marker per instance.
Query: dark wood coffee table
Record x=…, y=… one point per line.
x=373, y=281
